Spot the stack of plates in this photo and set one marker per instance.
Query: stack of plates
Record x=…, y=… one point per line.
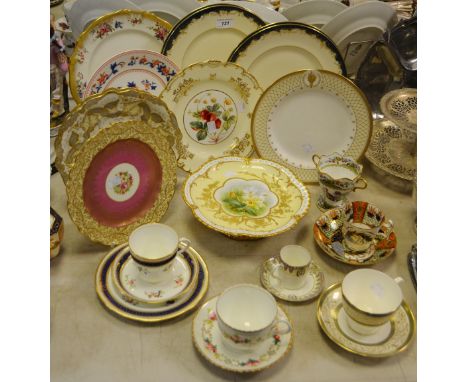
x=121, y=49
x=123, y=292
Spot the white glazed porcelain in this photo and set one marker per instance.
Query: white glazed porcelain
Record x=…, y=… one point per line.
x=247, y=315
x=211, y=344
x=359, y=27
x=370, y=298
x=314, y=12
x=294, y=261
x=272, y=281
x=268, y=15
x=154, y=247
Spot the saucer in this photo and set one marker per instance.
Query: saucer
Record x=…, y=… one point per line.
x=329, y=236
x=388, y=340
x=136, y=311
x=125, y=277
x=312, y=287
x=208, y=340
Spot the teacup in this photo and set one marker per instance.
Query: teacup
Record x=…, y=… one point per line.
x=369, y=225
x=154, y=247
x=292, y=264
x=370, y=299
x=248, y=315
x=338, y=176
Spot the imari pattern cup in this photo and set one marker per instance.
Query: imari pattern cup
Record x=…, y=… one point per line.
x=338, y=176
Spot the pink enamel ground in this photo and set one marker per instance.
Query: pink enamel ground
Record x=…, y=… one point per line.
x=107, y=211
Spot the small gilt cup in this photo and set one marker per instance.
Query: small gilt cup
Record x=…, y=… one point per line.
x=292, y=264
x=370, y=299
x=338, y=176
x=154, y=247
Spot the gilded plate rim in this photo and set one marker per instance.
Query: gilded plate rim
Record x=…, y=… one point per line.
x=78, y=212
x=311, y=173
x=190, y=307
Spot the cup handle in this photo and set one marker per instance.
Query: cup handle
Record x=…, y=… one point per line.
x=399, y=280
x=285, y=330
x=184, y=243
x=272, y=266
x=316, y=159
x=362, y=187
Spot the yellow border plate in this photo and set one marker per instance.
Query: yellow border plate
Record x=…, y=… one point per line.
x=209, y=33
x=311, y=112
x=246, y=198
x=277, y=49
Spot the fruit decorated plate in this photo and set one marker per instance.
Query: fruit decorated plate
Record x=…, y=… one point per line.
x=213, y=102
x=246, y=198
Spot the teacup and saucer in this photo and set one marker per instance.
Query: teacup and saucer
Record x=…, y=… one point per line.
x=242, y=330
x=292, y=276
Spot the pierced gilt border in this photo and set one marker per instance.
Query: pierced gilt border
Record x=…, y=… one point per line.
x=82, y=159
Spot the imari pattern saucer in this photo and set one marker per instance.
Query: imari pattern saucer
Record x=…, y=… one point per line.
x=209, y=341
x=312, y=287
x=329, y=237
x=388, y=341
x=113, y=301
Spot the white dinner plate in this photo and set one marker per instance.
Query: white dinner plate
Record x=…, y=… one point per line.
x=314, y=12
x=362, y=24
x=311, y=112
x=268, y=15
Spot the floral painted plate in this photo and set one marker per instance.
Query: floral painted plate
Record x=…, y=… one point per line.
x=290, y=46
x=209, y=341
x=125, y=276
x=307, y=113
x=329, y=236
x=114, y=105
x=113, y=301
x=213, y=102
x=141, y=69
x=209, y=33
x=122, y=178
x=393, y=149
x=330, y=315
x=246, y=198
x=108, y=36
